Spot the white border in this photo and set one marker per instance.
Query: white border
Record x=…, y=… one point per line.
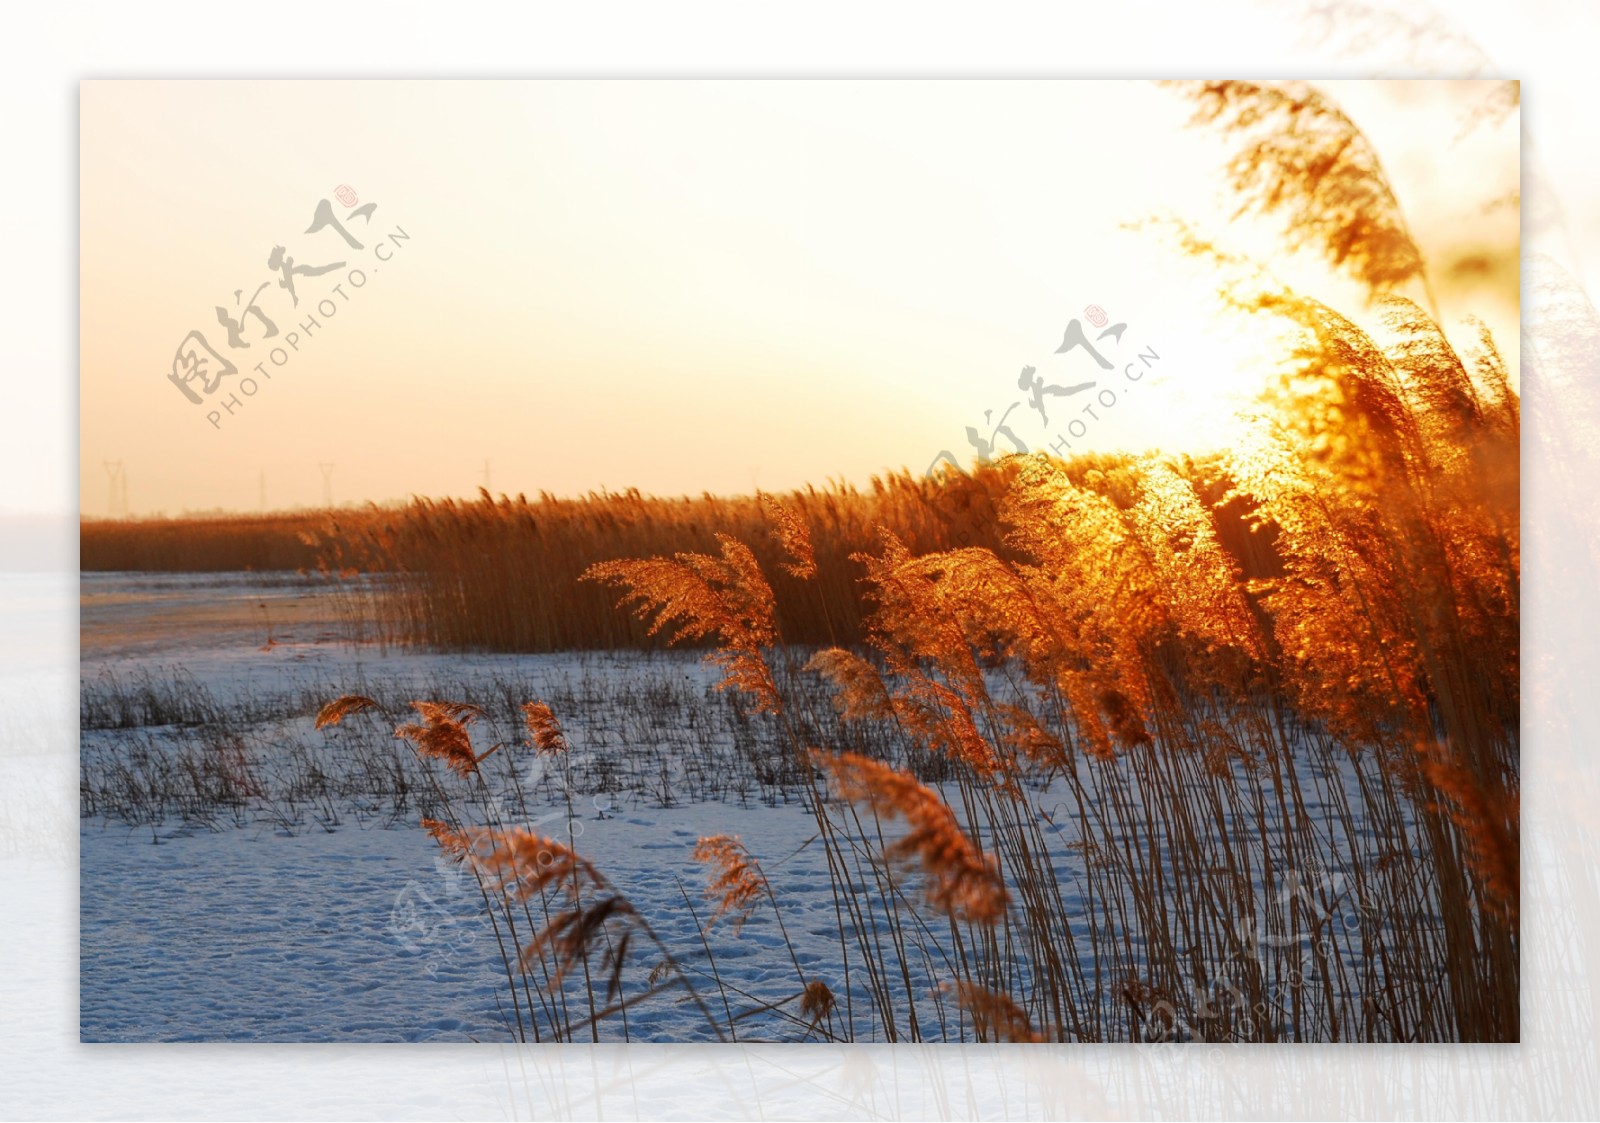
x=45, y=1073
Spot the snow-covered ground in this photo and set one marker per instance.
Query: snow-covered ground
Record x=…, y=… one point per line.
x=338, y=919
x=363, y=934
x=245, y=878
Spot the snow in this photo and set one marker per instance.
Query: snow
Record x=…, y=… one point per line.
x=330, y=916
x=365, y=934
x=256, y=928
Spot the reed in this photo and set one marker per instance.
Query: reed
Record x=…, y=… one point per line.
x=1119, y=748
x=1277, y=685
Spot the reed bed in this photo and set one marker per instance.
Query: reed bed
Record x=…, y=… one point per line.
x=1279, y=685
x=503, y=574
x=1133, y=748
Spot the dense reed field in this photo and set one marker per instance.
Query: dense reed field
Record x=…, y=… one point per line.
x=505, y=575
x=502, y=574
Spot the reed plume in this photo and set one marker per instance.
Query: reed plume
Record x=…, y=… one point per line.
x=544, y=729
x=442, y=734
x=699, y=596
x=340, y=708
x=737, y=880
x=522, y=865
x=1489, y=821
x=452, y=840
x=859, y=690
x=817, y=1002
x=962, y=881
x=995, y=1016
x=1300, y=156
x=792, y=534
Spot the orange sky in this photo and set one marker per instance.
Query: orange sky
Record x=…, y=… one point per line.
x=678, y=286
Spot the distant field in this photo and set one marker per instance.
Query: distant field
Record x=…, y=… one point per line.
x=200, y=544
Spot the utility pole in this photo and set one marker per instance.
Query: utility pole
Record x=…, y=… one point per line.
x=327, y=483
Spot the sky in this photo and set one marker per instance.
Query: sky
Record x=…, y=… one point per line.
x=679, y=286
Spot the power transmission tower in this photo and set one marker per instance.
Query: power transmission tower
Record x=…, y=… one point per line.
x=327, y=483
x=117, y=499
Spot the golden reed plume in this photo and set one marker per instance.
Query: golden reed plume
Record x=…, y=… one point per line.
x=737, y=880
x=962, y=882
x=443, y=735
x=940, y=716
x=859, y=691
x=816, y=1001
x=1300, y=157
x=453, y=841
x=522, y=865
x=792, y=535
x=995, y=1016
x=340, y=708
x=699, y=596
x=544, y=728
x=1488, y=821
